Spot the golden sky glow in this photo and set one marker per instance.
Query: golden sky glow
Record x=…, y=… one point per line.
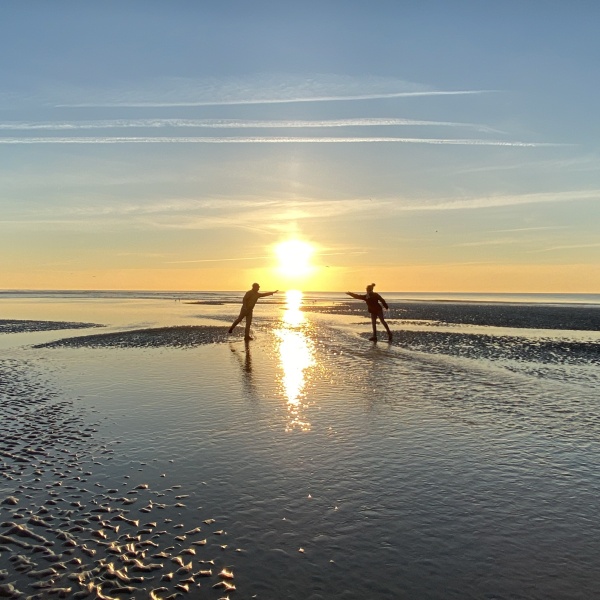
x=316, y=170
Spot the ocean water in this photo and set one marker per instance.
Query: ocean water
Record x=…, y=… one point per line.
x=460, y=461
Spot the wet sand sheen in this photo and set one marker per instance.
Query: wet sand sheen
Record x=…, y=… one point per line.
x=408, y=455
x=66, y=532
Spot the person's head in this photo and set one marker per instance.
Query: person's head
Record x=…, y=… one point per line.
x=255, y=287
x=370, y=288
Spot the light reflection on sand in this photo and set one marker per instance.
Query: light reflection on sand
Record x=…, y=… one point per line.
x=413, y=448
x=296, y=355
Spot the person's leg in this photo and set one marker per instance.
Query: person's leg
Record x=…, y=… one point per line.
x=386, y=327
x=374, y=324
x=248, y=323
x=237, y=321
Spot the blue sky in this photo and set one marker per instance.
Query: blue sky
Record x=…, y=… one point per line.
x=433, y=146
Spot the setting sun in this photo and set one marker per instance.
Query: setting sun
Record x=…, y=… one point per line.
x=294, y=258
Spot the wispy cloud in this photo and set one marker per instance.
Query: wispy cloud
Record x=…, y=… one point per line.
x=499, y=242
x=229, y=124
x=573, y=164
x=480, y=202
x=530, y=229
x=570, y=247
x=270, y=217
x=255, y=89
x=270, y=140
x=216, y=260
x=273, y=100
x=250, y=258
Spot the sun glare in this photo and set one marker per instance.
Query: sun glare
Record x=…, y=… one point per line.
x=294, y=258
x=292, y=315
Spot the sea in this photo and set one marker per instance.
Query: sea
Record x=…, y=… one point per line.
x=147, y=453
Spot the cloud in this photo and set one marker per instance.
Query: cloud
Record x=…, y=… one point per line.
x=229, y=124
x=217, y=260
x=528, y=229
x=270, y=140
x=570, y=247
x=480, y=202
x=245, y=258
x=256, y=214
x=253, y=90
x=573, y=164
x=500, y=242
x=175, y=104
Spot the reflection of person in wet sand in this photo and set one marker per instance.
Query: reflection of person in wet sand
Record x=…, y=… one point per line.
x=244, y=357
x=375, y=304
x=250, y=299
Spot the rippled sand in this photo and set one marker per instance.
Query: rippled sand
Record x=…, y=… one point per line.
x=163, y=462
x=160, y=337
x=73, y=527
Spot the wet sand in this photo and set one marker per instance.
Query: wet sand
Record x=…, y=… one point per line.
x=586, y=318
x=69, y=531
x=161, y=337
x=309, y=463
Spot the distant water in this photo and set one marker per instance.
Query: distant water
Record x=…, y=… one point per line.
x=233, y=296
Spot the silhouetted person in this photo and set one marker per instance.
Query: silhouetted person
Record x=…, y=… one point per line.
x=374, y=304
x=250, y=299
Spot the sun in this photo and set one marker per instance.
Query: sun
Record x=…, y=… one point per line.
x=294, y=258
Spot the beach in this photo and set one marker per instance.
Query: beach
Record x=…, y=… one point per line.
x=146, y=453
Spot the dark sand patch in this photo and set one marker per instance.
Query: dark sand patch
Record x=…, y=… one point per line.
x=25, y=326
x=478, y=346
x=582, y=318
x=184, y=336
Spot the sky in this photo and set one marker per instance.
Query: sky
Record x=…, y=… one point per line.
x=422, y=146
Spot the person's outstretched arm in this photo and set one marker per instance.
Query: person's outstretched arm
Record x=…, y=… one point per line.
x=356, y=296
x=267, y=294
x=384, y=303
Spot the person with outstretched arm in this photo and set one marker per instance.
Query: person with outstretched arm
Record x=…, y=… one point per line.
x=375, y=304
x=250, y=299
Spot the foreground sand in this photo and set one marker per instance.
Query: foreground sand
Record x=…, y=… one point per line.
x=170, y=462
x=70, y=531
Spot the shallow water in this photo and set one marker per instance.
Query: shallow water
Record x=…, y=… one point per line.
x=335, y=467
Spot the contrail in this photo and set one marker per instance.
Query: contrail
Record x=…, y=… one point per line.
x=228, y=124
x=270, y=100
x=271, y=140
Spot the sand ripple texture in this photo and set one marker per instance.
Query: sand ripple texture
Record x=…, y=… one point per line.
x=68, y=529
x=27, y=326
x=184, y=336
x=316, y=464
x=570, y=317
x=501, y=347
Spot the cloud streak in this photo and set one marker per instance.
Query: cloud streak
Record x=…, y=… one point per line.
x=271, y=140
x=245, y=258
x=482, y=202
x=230, y=124
x=570, y=247
x=258, y=101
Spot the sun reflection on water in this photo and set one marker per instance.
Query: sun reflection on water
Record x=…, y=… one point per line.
x=296, y=355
